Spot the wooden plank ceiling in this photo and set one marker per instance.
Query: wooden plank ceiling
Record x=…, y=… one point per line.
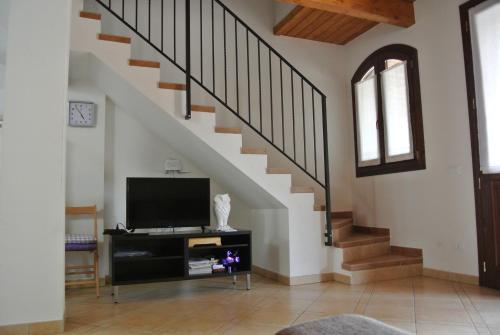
x=340, y=22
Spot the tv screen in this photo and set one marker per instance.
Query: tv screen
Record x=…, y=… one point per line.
x=167, y=202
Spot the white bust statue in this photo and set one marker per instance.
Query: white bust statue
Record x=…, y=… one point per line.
x=222, y=207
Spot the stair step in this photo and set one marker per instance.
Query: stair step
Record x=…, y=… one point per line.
x=171, y=86
x=228, y=130
x=114, y=38
x=302, y=189
x=319, y=208
x=342, y=215
x=254, y=151
x=278, y=171
x=381, y=262
x=357, y=239
x=90, y=15
x=340, y=223
x=335, y=215
x=144, y=63
x=203, y=108
x=371, y=230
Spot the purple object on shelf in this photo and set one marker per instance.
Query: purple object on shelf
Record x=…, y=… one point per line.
x=231, y=259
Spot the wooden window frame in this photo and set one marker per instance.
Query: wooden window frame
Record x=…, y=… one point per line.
x=377, y=60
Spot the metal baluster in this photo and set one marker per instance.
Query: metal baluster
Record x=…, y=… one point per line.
x=213, y=49
x=123, y=9
x=201, y=40
x=314, y=134
x=304, y=124
x=149, y=20
x=260, y=85
x=175, y=30
x=161, y=25
x=293, y=117
x=136, y=14
x=271, y=95
x=248, y=84
x=225, y=56
x=282, y=106
x=329, y=237
x=188, y=59
x=237, y=67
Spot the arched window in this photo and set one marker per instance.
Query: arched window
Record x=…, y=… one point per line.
x=387, y=111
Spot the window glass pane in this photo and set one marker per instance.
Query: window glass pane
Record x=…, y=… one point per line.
x=485, y=32
x=397, y=113
x=366, y=115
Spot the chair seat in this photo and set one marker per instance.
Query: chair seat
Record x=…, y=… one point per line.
x=80, y=238
x=81, y=246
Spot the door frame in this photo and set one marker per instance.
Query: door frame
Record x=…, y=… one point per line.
x=473, y=123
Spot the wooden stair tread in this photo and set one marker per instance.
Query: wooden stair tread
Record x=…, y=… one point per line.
x=302, y=189
x=342, y=215
x=357, y=239
x=319, y=208
x=203, y=108
x=253, y=151
x=90, y=15
x=381, y=262
x=144, y=63
x=227, y=130
x=114, y=38
x=278, y=171
x=340, y=223
x=171, y=86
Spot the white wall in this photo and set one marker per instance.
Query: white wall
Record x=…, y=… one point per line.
x=431, y=209
x=100, y=159
x=281, y=10
x=85, y=168
x=132, y=150
x=4, y=15
x=33, y=175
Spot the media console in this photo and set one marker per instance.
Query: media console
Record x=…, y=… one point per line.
x=150, y=258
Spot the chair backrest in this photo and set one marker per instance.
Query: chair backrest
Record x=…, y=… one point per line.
x=86, y=210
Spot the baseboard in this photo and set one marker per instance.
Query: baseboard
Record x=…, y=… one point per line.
x=271, y=275
x=451, y=276
x=37, y=328
x=341, y=278
x=311, y=279
x=293, y=281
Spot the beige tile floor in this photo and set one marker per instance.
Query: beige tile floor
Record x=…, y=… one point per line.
x=419, y=305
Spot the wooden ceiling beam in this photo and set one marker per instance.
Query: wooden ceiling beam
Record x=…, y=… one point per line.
x=396, y=12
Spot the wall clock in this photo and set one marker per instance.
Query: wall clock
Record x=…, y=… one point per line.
x=82, y=114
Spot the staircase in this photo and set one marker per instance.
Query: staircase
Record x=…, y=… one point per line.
x=367, y=255
x=296, y=240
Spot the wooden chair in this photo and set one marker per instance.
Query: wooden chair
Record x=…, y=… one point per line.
x=86, y=243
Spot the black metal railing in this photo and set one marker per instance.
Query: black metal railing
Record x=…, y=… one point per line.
x=244, y=73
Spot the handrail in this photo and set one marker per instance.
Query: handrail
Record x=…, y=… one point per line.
x=250, y=85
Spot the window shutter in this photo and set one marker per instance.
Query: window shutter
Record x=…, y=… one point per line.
x=366, y=115
x=397, y=118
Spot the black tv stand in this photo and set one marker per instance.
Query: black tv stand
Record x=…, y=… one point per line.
x=149, y=258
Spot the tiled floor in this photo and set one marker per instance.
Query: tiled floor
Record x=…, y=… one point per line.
x=419, y=305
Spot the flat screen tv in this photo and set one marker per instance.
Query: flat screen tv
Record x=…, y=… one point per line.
x=167, y=202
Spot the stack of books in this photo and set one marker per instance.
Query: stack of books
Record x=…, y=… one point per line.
x=200, y=266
